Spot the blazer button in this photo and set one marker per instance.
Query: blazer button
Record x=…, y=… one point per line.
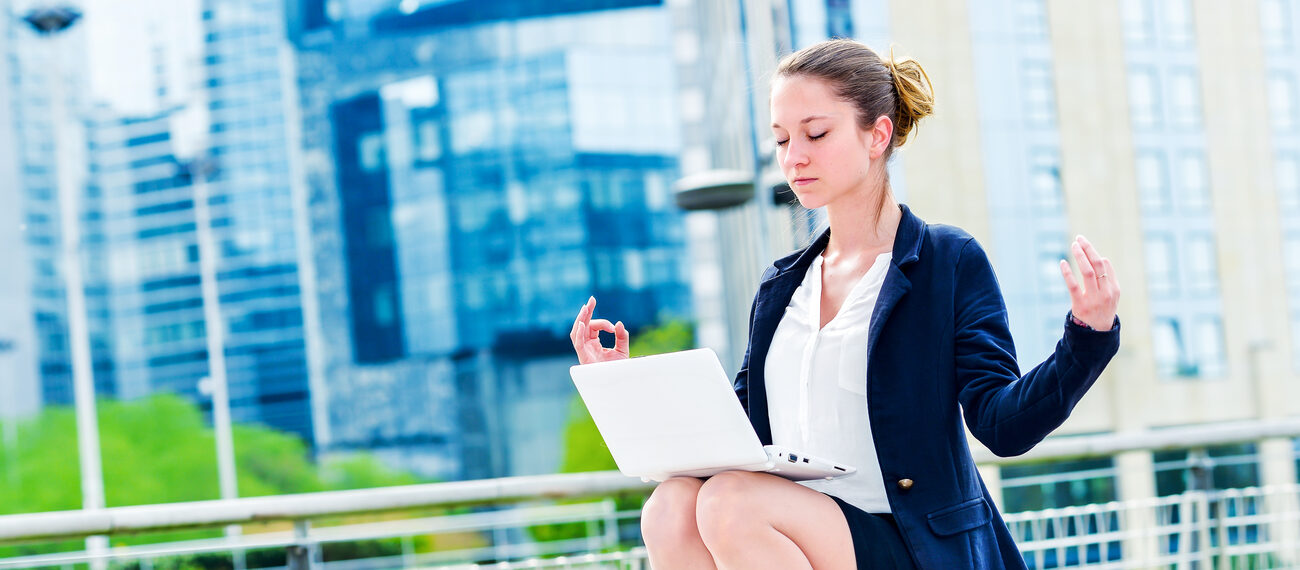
x=905, y=484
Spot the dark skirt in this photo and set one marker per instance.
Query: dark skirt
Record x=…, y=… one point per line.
x=876, y=541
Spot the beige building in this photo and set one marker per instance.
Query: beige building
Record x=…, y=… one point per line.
x=1166, y=131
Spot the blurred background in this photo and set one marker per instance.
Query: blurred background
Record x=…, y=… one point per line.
x=256, y=248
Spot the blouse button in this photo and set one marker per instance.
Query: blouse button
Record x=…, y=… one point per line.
x=905, y=484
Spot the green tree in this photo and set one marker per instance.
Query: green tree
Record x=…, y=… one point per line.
x=158, y=450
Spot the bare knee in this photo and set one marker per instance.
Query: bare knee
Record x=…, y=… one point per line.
x=668, y=516
x=726, y=507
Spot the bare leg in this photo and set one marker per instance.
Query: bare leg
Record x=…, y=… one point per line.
x=755, y=520
x=669, y=529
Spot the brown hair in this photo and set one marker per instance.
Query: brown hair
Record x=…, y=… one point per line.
x=895, y=88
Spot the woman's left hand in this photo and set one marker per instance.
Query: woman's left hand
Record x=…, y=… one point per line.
x=1094, y=297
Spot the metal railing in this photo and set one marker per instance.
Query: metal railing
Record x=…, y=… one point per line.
x=1233, y=528
x=302, y=546
x=1225, y=529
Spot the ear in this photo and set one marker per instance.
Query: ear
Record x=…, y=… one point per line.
x=882, y=134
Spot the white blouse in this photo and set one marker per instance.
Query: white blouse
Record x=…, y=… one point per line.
x=816, y=383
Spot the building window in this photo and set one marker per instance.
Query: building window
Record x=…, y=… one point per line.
x=370, y=151
x=1288, y=182
x=1031, y=19
x=1276, y=23
x=1184, y=99
x=1050, y=254
x=1152, y=182
x=1040, y=102
x=1281, y=100
x=839, y=19
x=1207, y=333
x=428, y=141
x=1045, y=179
x=1162, y=275
x=1178, y=26
x=1202, y=272
x=1058, y=484
x=1139, y=24
x=1144, y=98
x=1194, y=185
x=1171, y=358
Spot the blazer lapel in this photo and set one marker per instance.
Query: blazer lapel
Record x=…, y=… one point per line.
x=907, y=249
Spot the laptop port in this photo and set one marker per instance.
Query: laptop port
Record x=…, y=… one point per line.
x=805, y=460
x=794, y=458
x=840, y=468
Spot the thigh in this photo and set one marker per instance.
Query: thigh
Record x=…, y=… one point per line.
x=812, y=520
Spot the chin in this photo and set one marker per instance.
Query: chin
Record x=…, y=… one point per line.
x=809, y=201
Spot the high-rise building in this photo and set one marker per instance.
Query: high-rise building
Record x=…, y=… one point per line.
x=476, y=171
x=157, y=309
x=251, y=141
x=43, y=147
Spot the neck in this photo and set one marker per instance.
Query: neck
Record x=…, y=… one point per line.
x=861, y=226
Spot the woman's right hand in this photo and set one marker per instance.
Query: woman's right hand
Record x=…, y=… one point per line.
x=586, y=337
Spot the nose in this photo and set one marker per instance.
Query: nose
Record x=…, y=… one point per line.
x=793, y=155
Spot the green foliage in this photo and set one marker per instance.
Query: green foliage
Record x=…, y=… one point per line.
x=671, y=336
x=585, y=450
x=159, y=450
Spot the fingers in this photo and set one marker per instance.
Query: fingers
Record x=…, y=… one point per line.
x=598, y=325
x=1097, y=261
x=622, y=340
x=1086, y=269
x=1070, y=282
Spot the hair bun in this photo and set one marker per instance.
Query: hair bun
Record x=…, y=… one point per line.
x=915, y=94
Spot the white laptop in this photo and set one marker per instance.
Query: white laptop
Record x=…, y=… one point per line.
x=677, y=414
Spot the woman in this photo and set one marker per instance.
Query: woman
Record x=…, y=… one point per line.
x=876, y=339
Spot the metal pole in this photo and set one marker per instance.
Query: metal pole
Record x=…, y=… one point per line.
x=9, y=420
x=762, y=196
x=214, y=333
x=48, y=22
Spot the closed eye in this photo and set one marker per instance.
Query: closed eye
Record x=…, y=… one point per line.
x=815, y=137
x=782, y=143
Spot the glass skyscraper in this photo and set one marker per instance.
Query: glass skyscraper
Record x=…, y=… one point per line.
x=35, y=352
x=476, y=171
x=251, y=110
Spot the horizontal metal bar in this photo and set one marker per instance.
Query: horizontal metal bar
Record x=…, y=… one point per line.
x=208, y=514
x=1154, y=439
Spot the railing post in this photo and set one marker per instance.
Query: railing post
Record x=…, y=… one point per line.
x=301, y=555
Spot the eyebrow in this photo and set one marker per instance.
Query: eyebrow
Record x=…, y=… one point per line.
x=808, y=119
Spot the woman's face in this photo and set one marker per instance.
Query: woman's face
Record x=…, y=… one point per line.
x=823, y=153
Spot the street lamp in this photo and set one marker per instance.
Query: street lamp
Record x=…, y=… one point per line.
x=48, y=22
x=201, y=170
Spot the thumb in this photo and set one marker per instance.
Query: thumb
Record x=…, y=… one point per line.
x=621, y=338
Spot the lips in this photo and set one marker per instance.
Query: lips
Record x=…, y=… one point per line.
x=804, y=181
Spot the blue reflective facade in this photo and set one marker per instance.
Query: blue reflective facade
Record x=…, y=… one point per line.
x=35, y=351
x=471, y=186
x=247, y=67
x=157, y=317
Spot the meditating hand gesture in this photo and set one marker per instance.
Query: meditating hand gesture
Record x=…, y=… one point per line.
x=586, y=337
x=1094, y=297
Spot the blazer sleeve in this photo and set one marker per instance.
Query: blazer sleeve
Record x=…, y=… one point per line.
x=1008, y=412
x=741, y=384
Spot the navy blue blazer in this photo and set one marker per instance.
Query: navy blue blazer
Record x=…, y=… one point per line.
x=939, y=344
